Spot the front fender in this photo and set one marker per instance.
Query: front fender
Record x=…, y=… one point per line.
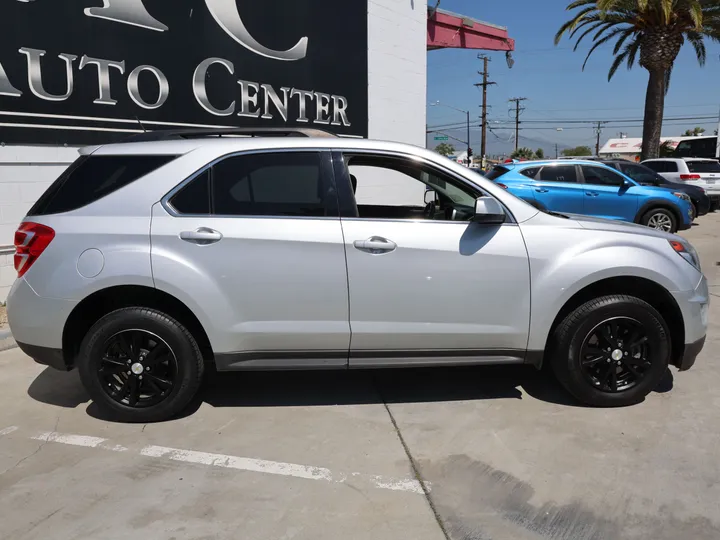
x=556, y=280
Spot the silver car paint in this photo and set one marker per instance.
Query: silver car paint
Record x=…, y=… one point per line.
x=299, y=298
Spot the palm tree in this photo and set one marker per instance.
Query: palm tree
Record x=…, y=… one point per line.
x=657, y=29
x=523, y=153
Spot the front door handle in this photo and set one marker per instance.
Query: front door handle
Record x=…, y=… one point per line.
x=202, y=236
x=541, y=190
x=375, y=245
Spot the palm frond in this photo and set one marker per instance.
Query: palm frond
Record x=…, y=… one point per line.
x=626, y=34
x=696, y=40
x=668, y=76
x=599, y=42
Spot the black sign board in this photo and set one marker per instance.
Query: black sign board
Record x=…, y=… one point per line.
x=94, y=71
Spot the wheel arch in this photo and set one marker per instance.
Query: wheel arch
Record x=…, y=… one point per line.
x=104, y=301
x=645, y=289
x=659, y=203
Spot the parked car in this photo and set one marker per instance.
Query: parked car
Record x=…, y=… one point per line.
x=700, y=147
x=699, y=172
x=147, y=262
x=594, y=189
x=645, y=176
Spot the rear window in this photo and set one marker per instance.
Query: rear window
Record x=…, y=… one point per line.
x=661, y=166
x=559, y=173
x=703, y=166
x=91, y=178
x=497, y=172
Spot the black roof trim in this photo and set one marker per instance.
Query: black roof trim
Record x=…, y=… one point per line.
x=180, y=134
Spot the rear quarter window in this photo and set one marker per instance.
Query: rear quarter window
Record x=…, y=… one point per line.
x=91, y=178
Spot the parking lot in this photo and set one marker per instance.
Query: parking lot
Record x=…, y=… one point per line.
x=463, y=453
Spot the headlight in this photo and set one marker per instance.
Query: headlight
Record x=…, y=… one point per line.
x=682, y=196
x=687, y=252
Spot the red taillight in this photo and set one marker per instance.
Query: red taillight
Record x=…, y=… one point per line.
x=502, y=185
x=689, y=177
x=31, y=239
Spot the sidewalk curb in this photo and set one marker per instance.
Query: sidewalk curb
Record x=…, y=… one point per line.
x=6, y=340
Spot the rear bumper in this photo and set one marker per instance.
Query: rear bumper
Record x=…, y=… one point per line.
x=36, y=320
x=46, y=356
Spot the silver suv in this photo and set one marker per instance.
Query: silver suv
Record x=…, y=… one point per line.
x=148, y=262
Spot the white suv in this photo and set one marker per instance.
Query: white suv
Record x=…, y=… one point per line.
x=700, y=172
x=147, y=262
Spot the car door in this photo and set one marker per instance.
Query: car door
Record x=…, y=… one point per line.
x=254, y=245
x=557, y=189
x=426, y=285
x=608, y=194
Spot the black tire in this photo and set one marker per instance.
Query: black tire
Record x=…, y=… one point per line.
x=695, y=211
x=573, y=333
x=186, y=370
x=660, y=215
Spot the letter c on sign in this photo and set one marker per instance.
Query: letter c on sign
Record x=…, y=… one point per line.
x=228, y=17
x=134, y=89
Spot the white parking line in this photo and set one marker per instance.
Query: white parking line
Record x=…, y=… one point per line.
x=231, y=462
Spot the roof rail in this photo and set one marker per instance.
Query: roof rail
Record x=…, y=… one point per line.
x=179, y=134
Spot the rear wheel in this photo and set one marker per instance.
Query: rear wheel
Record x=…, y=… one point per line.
x=661, y=219
x=611, y=351
x=140, y=365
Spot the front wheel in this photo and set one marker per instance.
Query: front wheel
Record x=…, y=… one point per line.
x=140, y=365
x=611, y=351
x=660, y=219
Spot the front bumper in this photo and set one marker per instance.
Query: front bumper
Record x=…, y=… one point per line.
x=687, y=360
x=694, y=306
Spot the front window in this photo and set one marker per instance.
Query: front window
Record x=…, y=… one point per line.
x=399, y=188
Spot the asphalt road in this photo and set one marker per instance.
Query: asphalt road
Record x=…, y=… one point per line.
x=503, y=454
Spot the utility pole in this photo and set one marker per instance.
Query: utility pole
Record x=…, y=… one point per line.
x=598, y=132
x=518, y=110
x=556, y=151
x=484, y=85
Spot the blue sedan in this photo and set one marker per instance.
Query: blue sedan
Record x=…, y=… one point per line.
x=593, y=189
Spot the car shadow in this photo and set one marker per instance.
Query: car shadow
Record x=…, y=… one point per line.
x=342, y=387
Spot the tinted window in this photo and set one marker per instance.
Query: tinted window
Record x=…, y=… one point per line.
x=194, y=198
x=530, y=172
x=703, y=166
x=700, y=147
x=643, y=175
x=496, y=172
x=289, y=184
x=91, y=178
x=601, y=177
x=558, y=173
x=662, y=166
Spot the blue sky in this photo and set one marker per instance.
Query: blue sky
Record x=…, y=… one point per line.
x=552, y=80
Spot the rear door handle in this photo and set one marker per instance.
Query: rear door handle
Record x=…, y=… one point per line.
x=591, y=193
x=541, y=190
x=202, y=236
x=375, y=245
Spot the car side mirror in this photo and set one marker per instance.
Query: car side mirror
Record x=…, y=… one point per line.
x=430, y=196
x=488, y=210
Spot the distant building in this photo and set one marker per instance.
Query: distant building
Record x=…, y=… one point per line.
x=630, y=148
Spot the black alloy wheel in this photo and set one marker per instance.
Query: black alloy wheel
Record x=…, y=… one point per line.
x=137, y=369
x=616, y=354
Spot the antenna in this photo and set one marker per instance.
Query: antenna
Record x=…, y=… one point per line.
x=141, y=124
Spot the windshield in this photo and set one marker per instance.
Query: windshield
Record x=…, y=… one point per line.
x=703, y=166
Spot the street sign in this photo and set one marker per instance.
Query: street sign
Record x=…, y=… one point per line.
x=441, y=137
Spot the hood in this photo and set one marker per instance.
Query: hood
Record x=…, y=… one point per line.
x=599, y=224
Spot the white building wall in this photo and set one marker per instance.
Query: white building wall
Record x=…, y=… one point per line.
x=397, y=91
x=25, y=173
